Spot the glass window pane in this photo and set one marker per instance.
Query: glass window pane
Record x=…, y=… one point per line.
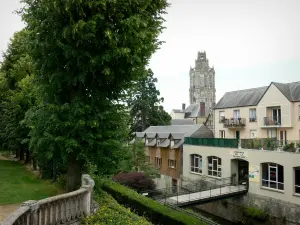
x=215, y=165
x=273, y=185
x=209, y=159
x=219, y=161
x=297, y=189
x=273, y=175
x=215, y=173
x=219, y=174
x=265, y=171
x=200, y=163
x=192, y=160
x=210, y=172
x=297, y=177
x=196, y=162
x=192, y=169
x=265, y=183
x=280, y=174
x=280, y=186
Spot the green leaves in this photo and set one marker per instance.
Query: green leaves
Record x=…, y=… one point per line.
x=144, y=105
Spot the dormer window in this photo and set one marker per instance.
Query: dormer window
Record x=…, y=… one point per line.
x=172, y=142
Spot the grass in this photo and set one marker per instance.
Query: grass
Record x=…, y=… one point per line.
x=18, y=185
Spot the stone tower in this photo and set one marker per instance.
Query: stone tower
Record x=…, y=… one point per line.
x=202, y=82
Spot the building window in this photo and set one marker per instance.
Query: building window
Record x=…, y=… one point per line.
x=236, y=114
x=297, y=180
x=272, y=176
x=272, y=133
x=214, y=166
x=252, y=117
x=172, y=143
x=196, y=163
x=252, y=133
x=172, y=163
x=158, y=161
x=222, y=133
x=221, y=116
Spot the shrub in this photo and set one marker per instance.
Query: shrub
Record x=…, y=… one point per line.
x=111, y=213
x=135, y=180
x=154, y=211
x=256, y=213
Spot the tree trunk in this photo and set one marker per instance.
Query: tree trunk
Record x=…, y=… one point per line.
x=74, y=173
x=28, y=156
x=17, y=153
x=54, y=170
x=21, y=153
x=34, y=164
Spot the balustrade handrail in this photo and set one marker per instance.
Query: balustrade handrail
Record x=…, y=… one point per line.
x=60, y=209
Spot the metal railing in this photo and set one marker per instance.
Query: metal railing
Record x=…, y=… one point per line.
x=234, y=123
x=208, y=188
x=213, y=142
x=271, y=144
x=272, y=121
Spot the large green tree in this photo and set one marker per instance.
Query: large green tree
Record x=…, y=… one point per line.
x=144, y=103
x=86, y=54
x=17, y=94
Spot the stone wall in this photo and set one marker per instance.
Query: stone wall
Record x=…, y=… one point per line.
x=280, y=212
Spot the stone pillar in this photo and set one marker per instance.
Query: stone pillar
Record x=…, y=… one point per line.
x=87, y=183
x=34, y=206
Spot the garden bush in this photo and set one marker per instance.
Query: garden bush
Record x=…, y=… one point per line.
x=111, y=213
x=135, y=180
x=256, y=213
x=154, y=211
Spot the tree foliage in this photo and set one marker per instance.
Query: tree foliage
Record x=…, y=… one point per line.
x=144, y=103
x=86, y=54
x=18, y=94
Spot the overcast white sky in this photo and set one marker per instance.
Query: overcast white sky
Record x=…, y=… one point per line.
x=250, y=43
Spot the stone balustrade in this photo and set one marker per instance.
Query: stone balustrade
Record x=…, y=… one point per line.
x=61, y=209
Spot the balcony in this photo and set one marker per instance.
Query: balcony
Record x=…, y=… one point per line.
x=272, y=121
x=235, y=123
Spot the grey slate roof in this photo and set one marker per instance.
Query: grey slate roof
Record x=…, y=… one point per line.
x=193, y=111
x=290, y=90
x=251, y=97
x=150, y=134
x=178, y=144
x=165, y=143
x=152, y=142
x=187, y=130
x=163, y=135
x=140, y=134
x=178, y=111
x=182, y=122
x=247, y=97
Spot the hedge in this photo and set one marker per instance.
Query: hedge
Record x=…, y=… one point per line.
x=154, y=211
x=111, y=213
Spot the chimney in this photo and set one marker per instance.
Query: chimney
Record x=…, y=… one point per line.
x=183, y=106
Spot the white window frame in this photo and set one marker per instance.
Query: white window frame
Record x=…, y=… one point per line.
x=296, y=185
x=193, y=159
x=222, y=133
x=236, y=114
x=158, y=161
x=252, y=114
x=273, y=166
x=172, y=163
x=210, y=166
x=221, y=114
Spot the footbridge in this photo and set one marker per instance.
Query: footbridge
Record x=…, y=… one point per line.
x=197, y=193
